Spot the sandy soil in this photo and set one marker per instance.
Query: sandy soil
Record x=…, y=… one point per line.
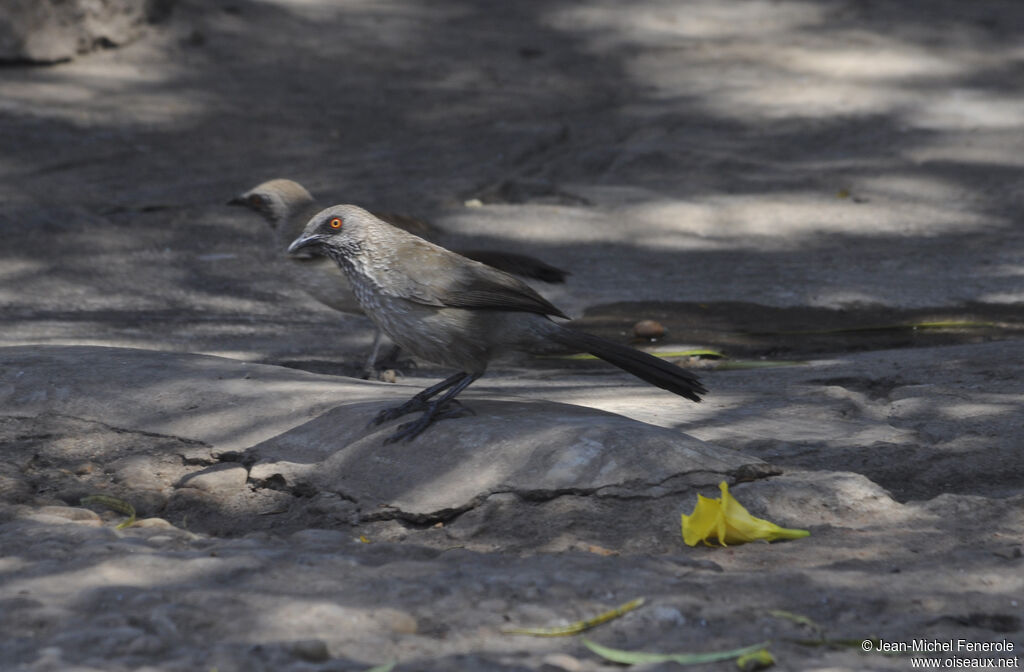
x=828, y=193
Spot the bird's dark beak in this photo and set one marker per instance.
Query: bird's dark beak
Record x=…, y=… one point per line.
x=237, y=200
x=304, y=241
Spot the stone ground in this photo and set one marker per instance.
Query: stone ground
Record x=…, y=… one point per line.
x=815, y=189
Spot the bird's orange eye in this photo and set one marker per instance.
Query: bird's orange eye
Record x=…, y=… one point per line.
x=336, y=223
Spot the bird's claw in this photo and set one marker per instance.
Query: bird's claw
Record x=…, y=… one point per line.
x=389, y=414
x=410, y=430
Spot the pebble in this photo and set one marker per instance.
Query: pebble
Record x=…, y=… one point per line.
x=649, y=329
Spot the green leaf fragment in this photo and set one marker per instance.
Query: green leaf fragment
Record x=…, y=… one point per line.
x=386, y=667
x=114, y=504
x=758, y=660
x=799, y=619
x=641, y=657
x=713, y=354
x=578, y=626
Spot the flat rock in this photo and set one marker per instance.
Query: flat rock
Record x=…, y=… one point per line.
x=309, y=432
x=533, y=448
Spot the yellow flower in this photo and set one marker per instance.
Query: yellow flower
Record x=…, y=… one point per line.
x=727, y=521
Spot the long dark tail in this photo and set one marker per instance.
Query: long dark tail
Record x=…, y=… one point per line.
x=646, y=367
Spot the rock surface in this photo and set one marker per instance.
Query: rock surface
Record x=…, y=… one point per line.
x=826, y=193
x=222, y=424
x=48, y=31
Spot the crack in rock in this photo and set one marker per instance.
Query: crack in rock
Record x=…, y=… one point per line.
x=676, y=484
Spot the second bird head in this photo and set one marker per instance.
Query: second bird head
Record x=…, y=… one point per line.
x=276, y=200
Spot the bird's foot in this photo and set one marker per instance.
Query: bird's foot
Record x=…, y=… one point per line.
x=389, y=414
x=410, y=430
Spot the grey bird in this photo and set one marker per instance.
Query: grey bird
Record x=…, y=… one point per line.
x=451, y=310
x=286, y=206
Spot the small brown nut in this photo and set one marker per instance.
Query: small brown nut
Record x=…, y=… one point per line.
x=649, y=329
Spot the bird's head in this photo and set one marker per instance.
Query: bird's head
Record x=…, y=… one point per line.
x=276, y=200
x=337, y=231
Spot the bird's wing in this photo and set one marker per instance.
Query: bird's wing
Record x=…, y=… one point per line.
x=522, y=265
x=438, y=277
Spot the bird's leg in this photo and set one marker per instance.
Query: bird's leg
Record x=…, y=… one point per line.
x=439, y=409
x=390, y=360
x=420, y=401
x=368, y=368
